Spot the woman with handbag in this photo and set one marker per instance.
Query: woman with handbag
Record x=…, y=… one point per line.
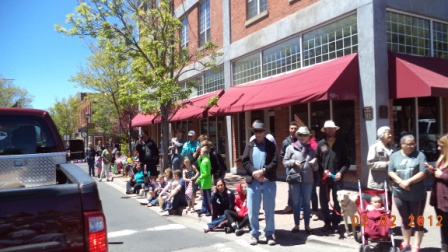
x=301, y=161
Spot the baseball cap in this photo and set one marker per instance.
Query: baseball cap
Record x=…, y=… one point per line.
x=191, y=133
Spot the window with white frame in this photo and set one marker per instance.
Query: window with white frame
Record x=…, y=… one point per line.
x=246, y=69
x=331, y=41
x=204, y=22
x=408, y=34
x=195, y=84
x=184, y=33
x=440, y=40
x=214, y=80
x=282, y=58
x=255, y=7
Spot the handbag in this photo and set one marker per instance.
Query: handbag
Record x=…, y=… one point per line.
x=294, y=178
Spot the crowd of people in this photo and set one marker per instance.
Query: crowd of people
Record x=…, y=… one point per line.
x=197, y=171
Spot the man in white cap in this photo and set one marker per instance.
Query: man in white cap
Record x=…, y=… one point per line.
x=189, y=148
x=333, y=161
x=260, y=162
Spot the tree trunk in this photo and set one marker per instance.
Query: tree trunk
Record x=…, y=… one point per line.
x=164, y=164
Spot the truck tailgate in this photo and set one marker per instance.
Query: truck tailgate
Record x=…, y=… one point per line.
x=46, y=218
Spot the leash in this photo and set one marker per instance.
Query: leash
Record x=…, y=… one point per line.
x=324, y=181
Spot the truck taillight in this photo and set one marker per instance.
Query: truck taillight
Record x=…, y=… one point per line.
x=96, y=231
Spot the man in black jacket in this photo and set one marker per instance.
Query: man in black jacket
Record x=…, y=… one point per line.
x=148, y=154
x=332, y=157
x=260, y=162
x=293, y=127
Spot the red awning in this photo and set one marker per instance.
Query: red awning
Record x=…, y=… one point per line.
x=416, y=76
x=141, y=120
x=196, y=107
x=333, y=80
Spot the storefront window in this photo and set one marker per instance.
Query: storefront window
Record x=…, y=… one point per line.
x=440, y=38
x=427, y=123
x=408, y=34
x=247, y=69
x=343, y=116
x=299, y=113
x=320, y=112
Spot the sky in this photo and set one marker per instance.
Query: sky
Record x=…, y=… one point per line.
x=38, y=58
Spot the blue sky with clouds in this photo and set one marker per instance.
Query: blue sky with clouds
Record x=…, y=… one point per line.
x=38, y=58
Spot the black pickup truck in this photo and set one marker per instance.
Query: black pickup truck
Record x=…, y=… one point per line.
x=46, y=202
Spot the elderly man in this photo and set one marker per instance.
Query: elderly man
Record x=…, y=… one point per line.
x=332, y=158
x=189, y=148
x=260, y=162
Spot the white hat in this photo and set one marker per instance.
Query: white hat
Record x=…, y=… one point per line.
x=303, y=131
x=191, y=133
x=329, y=124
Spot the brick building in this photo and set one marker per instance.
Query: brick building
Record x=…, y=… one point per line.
x=363, y=64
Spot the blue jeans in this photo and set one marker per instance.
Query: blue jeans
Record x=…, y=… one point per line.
x=255, y=191
x=301, y=196
x=176, y=162
x=206, y=201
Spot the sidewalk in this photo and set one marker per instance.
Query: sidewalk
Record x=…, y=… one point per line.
x=284, y=222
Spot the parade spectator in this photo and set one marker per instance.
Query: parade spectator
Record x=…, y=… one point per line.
x=137, y=181
x=300, y=159
x=378, y=161
x=165, y=192
x=407, y=171
x=205, y=180
x=190, y=174
x=176, y=145
x=332, y=158
x=260, y=162
x=291, y=138
x=176, y=198
x=219, y=167
x=106, y=157
x=239, y=218
x=155, y=189
x=90, y=156
x=189, y=148
x=222, y=199
x=439, y=192
x=99, y=148
x=148, y=155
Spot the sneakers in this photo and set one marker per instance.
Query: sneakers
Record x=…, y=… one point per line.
x=239, y=232
x=288, y=209
x=206, y=229
x=129, y=192
x=253, y=241
x=314, y=217
x=165, y=213
x=271, y=240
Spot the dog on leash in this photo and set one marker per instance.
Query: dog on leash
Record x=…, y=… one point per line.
x=347, y=201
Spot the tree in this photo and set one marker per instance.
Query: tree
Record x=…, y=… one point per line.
x=65, y=114
x=107, y=72
x=149, y=35
x=13, y=96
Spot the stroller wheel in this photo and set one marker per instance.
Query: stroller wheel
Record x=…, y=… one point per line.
x=365, y=248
